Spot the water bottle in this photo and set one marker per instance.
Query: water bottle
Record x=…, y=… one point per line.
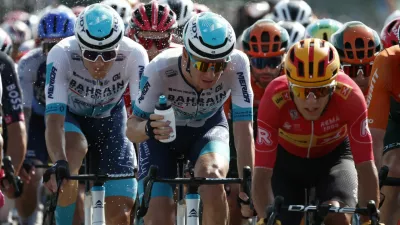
x=165, y=109
x=192, y=208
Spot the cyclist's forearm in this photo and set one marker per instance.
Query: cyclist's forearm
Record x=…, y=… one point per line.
x=368, y=187
x=16, y=145
x=55, y=138
x=262, y=194
x=377, y=140
x=135, y=130
x=244, y=143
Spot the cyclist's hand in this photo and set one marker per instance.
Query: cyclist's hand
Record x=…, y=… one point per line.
x=158, y=129
x=7, y=188
x=59, y=171
x=27, y=171
x=245, y=208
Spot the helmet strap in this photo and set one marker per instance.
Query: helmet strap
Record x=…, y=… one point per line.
x=186, y=55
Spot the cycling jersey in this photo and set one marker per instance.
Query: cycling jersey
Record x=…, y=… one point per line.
x=32, y=73
x=280, y=123
x=384, y=88
x=68, y=82
x=12, y=96
x=164, y=76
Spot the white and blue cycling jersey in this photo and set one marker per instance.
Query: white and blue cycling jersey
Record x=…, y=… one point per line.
x=32, y=75
x=70, y=85
x=163, y=76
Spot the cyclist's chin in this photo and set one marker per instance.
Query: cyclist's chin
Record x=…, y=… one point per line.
x=98, y=74
x=311, y=113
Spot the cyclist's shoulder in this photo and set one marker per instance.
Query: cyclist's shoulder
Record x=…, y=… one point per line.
x=167, y=62
x=347, y=91
x=130, y=46
x=67, y=46
x=388, y=57
x=278, y=91
x=30, y=59
x=6, y=61
x=239, y=62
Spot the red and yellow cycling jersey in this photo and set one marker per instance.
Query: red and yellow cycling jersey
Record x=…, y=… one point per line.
x=383, y=85
x=280, y=123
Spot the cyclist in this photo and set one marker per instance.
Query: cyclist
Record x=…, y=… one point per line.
x=383, y=112
x=184, y=11
x=308, y=122
x=122, y=7
x=357, y=45
x=197, y=80
x=265, y=43
x=154, y=35
x=322, y=29
x=53, y=27
x=13, y=125
x=19, y=32
x=389, y=33
x=86, y=76
x=295, y=29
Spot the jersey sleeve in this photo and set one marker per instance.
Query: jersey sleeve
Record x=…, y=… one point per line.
x=267, y=130
x=139, y=61
x=360, y=137
x=378, y=98
x=241, y=91
x=56, y=81
x=26, y=77
x=150, y=88
x=11, y=93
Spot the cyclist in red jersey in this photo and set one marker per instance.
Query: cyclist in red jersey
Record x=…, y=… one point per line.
x=265, y=43
x=312, y=129
x=152, y=31
x=357, y=45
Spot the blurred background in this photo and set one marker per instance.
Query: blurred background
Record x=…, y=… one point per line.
x=370, y=12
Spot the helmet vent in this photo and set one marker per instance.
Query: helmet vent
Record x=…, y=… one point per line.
x=330, y=55
x=265, y=48
x=291, y=55
x=359, y=43
x=295, y=36
x=301, y=43
x=321, y=65
x=325, y=36
x=253, y=39
x=360, y=54
x=311, y=68
x=300, y=68
x=255, y=48
x=265, y=37
x=275, y=47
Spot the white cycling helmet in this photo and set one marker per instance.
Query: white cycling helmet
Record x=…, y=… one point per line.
x=209, y=36
x=182, y=8
x=295, y=29
x=298, y=11
x=122, y=7
x=99, y=28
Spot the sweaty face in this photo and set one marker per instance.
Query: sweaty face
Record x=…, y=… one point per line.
x=311, y=108
x=203, y=80
x=265, y=76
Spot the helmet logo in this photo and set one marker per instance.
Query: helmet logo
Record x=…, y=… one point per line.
x=81, y=23
x=194, y=30
x=100, y=43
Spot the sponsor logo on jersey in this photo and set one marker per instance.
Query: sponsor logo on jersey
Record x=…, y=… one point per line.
x=96, y=93
x=219, y=88
x=364, y=129
x=294, y=114
x=14, y=97
x=204, y=101
x=120, y=57
x=263, y=137
x=90, y=81
x=171, y=73
x=287, y=126
x=330, y=123
x=332, y=137
x=281, y=98
x=141, y=70
x=52, y=80
x=243, y=84
x=375, y=77
x=76, y=57
x=343, y=90
x=144, y=91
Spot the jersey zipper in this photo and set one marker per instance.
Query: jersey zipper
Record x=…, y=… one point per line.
x=311, y=138
x=198, y=100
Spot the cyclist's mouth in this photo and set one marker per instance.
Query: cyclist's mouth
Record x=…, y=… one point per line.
x=312, y=110
x=207, y=81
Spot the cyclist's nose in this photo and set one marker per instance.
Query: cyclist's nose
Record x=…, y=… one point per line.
x=311, y=98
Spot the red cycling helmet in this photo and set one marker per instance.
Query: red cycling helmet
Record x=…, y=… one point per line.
x=153, y=17
x=390, y=32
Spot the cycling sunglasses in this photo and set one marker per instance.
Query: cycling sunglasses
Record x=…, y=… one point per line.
x=353, y=70
x=47, y=46
x=92, y=56
x=161, y=43
x=205, y=66
x=319, y=92
x=262, y=63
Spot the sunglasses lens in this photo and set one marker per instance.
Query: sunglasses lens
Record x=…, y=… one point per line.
x=354, y=70
x=302, y=92
x=90, y=55
x=109, y=55
x=261, y=63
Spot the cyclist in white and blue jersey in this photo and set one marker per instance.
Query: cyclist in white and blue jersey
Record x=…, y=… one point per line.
x=86, y=76
x=54, y=25
x=197, y=80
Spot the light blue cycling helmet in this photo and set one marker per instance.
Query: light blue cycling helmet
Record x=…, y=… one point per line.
x=56, y=24
x=99, y=28
x=209, y=36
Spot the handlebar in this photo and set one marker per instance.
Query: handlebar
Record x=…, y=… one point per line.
x=149, y=180
x=10, y=176
x=274, y=210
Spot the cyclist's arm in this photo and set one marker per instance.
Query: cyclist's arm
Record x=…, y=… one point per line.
x=150, y=88
x=361, y=146
x=56, y=102
x=26, y=76
x=265, y=153
x=137, y=63
x=378, y=101
x=13, y=114
x=242, y=110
